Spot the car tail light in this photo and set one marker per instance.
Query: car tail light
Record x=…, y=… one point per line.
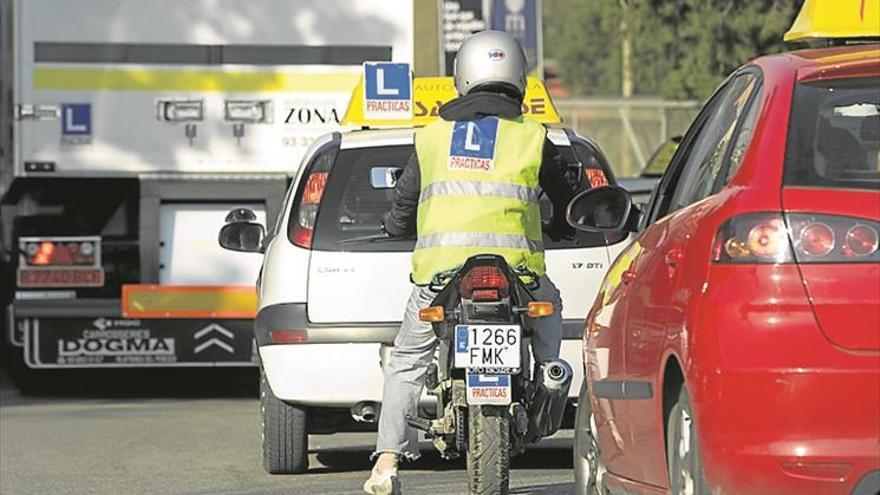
x=833, y=239
x=482, y=278
x=752, y=238
x=307, y=203
x=800, y=237
x=289, y=336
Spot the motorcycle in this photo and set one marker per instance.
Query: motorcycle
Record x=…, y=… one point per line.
x=491, y=403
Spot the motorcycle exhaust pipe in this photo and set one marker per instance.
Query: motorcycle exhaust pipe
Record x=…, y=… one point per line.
x=365, y=412
x=549, y=398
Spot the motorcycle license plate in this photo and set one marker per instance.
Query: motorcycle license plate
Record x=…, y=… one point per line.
x=494, y=347
x=488, y=389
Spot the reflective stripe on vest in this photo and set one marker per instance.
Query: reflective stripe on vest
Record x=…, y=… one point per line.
x=479, y=194
x=465, y=187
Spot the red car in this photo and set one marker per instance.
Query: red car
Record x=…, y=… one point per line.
x=734, y=346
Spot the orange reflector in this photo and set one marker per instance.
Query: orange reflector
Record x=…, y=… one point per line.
x=188, y=301
x=538, y=309
x=433, y=314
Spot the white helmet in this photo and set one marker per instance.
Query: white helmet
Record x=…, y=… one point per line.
x=492, y=58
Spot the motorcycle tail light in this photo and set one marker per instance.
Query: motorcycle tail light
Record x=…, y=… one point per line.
x=483, y=278
x=486, y=295
x=752, y=238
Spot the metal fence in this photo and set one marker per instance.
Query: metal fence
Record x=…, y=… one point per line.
x=628, y=130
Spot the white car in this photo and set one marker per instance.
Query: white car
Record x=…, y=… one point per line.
x=329, y=310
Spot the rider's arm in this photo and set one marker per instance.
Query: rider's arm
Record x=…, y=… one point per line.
x=558, y=190
x=401, y=220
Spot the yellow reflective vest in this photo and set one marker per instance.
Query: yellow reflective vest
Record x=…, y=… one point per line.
x=479, y=194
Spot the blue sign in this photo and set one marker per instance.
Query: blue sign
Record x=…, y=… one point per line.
x=482, y=380
x=76, y=119
x=461, y=339
x=474, y=138
x=387, y=91
x=521, y=19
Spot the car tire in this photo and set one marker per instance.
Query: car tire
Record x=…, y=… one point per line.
x=284, y=436
x=686, y=476
x=588, y=469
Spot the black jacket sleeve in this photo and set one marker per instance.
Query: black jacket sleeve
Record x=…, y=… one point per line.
x=401, y=220
x=559, y=191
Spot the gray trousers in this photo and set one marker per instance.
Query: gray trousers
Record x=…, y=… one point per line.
x=413, y=352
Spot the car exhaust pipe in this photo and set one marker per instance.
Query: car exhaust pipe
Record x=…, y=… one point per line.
x=549, y=398
x=365, y=412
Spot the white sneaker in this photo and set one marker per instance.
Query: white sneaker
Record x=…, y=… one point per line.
x=385, y=483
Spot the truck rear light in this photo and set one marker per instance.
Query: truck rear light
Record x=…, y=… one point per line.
x=483, y=278
x=752, y=238
x=307, y=203
x=74, y=252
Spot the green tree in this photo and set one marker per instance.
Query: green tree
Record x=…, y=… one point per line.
x=681, y=48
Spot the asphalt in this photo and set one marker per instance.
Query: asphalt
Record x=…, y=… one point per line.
x=180, y=435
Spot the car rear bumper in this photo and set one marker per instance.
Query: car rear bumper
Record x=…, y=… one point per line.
x=794, y=431
x=340, y=365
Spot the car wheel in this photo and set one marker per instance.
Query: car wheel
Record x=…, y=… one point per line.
x=284, y=436
x=682, y=450
x=588, y=468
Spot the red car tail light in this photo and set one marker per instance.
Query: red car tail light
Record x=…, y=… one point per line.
x=304, y=214
x=480, y=279
x=796, y=237
x=833, y=239
x=816, y=239
x=861, y=240
x=752, y=238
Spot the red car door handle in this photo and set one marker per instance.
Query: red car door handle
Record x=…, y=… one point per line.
x=674, y=257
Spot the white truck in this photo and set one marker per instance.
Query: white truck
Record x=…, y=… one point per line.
x=129, y=129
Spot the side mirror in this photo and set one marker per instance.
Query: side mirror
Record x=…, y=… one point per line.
x=242, y=232
x=605, y=209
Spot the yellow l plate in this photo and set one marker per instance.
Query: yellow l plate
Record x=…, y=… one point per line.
x=837, y=19
x=430, y=93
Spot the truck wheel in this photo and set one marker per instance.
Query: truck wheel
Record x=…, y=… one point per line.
x=488, y=454
x=588, y=469
x=686, y=475
x=284, y=435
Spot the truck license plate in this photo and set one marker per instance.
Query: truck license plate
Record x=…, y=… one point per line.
x=487, y=346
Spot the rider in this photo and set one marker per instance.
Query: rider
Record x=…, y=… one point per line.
x=471, y=187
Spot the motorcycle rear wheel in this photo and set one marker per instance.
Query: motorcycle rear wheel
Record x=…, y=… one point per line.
x=488, y=454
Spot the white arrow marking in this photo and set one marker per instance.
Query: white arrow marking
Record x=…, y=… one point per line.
x=215, y=341
x=469, y=143
x=71, y=126
x=380, y=84
x=213, y=327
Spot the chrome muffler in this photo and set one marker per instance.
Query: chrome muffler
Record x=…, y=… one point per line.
x=548, y=399
x=365, y=412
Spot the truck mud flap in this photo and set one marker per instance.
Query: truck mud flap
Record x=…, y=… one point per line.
x=113, y=342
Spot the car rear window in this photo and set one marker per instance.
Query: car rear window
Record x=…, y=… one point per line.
x=834, y=135
x=352, y=207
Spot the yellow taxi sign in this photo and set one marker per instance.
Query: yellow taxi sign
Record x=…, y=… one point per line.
x=430, y=93
x=836, y=19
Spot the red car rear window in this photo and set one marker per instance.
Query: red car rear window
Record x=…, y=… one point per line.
x=834, y=135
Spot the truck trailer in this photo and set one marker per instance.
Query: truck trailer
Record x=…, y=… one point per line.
x=128, y=130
